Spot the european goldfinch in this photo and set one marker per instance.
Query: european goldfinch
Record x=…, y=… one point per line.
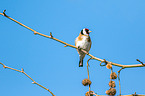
x=83, y=41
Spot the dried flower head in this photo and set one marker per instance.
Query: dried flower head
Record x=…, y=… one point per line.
x=113, y=75
x=109, y=66
x=89, y=93
x=111, y=91
x=86, y=82
x=107, y=92
x=112, y=84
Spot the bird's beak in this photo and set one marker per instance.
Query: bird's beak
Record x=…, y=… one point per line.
x=90, y=31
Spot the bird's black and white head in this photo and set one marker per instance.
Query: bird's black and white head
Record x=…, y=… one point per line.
x=85, y=31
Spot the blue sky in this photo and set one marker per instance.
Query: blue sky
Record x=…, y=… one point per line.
x=118, y=35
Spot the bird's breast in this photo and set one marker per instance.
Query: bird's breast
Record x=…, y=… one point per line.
x=85, y=43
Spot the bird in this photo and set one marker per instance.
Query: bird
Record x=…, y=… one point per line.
x=83, y=41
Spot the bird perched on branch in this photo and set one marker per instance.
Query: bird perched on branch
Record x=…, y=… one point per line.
x=83, y=41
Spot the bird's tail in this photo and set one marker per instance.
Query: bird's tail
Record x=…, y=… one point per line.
x=81, y=63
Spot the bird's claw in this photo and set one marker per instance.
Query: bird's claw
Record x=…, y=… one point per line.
x=79, y=48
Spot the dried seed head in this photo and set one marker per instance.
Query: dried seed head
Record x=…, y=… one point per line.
x=86, y=82
x=109, y=66
x=111, y=91
x=89, y=93
x=107, y=92
x=112, y=84
x=113, y=75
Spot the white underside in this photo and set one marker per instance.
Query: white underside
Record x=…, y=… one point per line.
x=84, y=44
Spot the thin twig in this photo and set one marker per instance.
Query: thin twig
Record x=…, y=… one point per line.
x=119, y=81
x=35, y=32
x=88, y=71
x=140, y=62
x=22, y=71
x=88, y=66
x=51, y=35
x=104, y=62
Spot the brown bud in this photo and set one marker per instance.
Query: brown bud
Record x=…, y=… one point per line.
x=109, y=66
x=86, y=82
x=112, y=84
x=4, y=66
x=89, y=93
x=113, y=75
x=111, y=91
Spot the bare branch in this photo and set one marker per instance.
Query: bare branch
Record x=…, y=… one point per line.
x=22, y=71
x=66, y=44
